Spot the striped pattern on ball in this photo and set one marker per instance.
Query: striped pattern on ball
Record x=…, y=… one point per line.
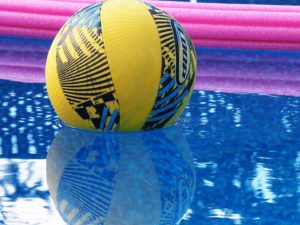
x=84, y=76
x=99, y=61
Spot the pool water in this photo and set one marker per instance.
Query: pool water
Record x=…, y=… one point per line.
x=230, y=159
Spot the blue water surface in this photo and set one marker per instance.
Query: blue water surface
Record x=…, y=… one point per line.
x=231, y=159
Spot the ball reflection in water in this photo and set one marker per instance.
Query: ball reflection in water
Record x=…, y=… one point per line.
x=121, y=178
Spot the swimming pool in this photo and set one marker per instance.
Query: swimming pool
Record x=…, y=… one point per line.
x=244, y=149
x=232, y=158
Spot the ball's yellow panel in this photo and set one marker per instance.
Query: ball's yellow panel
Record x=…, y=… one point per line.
x=133, y=49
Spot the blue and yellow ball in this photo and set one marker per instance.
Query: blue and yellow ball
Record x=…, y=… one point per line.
x=120, y=66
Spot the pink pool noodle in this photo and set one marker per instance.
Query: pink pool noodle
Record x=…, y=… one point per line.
x=193, y=16
x=262, y=57
x=23, y=74
x=31, y=20
x=217, y=29
x=238, y=44
x=25, y=59
x=219, y=25
x=21, y=47
x=215, y=76
x=197, y=31
x=223, y=6
x=230, y=17
x=213, y=6
x=213, y=43
x=27, y=32
x=233, y=71
x=184, y=15
x=42, y=7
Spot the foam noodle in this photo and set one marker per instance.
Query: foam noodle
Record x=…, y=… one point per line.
x=212, y=6
x=209, y=25
x=245, y=33
x=22, y=74
x=220, y=6
x=27, y=32
x=200, y=29
x=240, y=44
x=18, y=58
x=231, y=17
x=184, y=15
x=230, y=71
x=30, y=20
x=42, y=7
x=227, y=76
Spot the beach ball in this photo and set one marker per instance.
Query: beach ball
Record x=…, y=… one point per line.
x=140, y=178
x=120, y=66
